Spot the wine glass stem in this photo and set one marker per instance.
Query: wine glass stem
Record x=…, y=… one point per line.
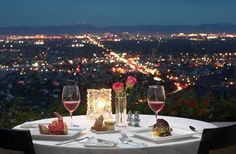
x=71, y=122
x=71, y=115
x=156, y=114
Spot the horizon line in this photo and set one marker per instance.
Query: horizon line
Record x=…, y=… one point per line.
x=99, y=26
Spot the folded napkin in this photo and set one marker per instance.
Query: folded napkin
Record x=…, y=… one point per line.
x=99, y=143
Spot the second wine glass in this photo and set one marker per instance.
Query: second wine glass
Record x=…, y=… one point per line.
x=156, y=98
x=71, y=99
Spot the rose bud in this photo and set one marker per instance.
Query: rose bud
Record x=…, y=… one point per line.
x=118, y=87
x=130, y=82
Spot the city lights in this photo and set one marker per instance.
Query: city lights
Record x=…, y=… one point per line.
x=184, y=68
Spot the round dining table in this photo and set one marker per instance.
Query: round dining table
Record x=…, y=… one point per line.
x=188, y=145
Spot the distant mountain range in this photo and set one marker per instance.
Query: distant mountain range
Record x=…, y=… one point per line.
x=84, y=28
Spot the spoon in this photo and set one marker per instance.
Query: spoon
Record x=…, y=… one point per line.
x=193, y=128
x=83, y=140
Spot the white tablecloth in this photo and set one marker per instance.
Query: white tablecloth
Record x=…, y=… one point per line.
x=187, y=146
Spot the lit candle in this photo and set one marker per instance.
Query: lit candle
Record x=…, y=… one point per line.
x=101, y=104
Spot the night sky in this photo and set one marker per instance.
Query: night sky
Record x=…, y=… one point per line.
x=116, y=12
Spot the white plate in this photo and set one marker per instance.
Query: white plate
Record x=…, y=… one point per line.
x=106, y=132
x=175, y=134
x=71, y=134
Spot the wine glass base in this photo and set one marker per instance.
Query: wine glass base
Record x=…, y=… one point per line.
x=121, y=125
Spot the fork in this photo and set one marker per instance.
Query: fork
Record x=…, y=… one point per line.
x=123, y=140
x=127, y=139
x=124, y=136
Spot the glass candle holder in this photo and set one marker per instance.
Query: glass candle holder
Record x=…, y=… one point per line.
x=99, y=103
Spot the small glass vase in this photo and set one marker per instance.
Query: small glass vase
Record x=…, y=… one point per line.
x=121, y=108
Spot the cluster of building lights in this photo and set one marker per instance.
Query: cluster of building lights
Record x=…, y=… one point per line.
x=130, y=62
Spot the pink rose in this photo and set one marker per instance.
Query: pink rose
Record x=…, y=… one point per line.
x=130, y=82
x=118, y=87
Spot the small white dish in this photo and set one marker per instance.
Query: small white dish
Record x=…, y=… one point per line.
x=106, y=132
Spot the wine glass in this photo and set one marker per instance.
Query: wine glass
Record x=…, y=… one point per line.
x=156, y=98
x=71, y=99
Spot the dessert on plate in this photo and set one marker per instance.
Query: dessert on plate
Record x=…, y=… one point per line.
x=110, y=124
x=98, y=125
x=161, y=128
x=56, y=127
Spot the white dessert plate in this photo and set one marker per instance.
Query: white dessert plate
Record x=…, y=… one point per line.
x=71, y=134
x=175, y=135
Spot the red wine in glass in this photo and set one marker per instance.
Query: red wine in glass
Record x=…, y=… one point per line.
x=71, y=99
x=156, y=106
x=156, y=98
x=71, y=106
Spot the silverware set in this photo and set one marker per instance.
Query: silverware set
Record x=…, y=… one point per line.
x=84, y=140
x=125, y=139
